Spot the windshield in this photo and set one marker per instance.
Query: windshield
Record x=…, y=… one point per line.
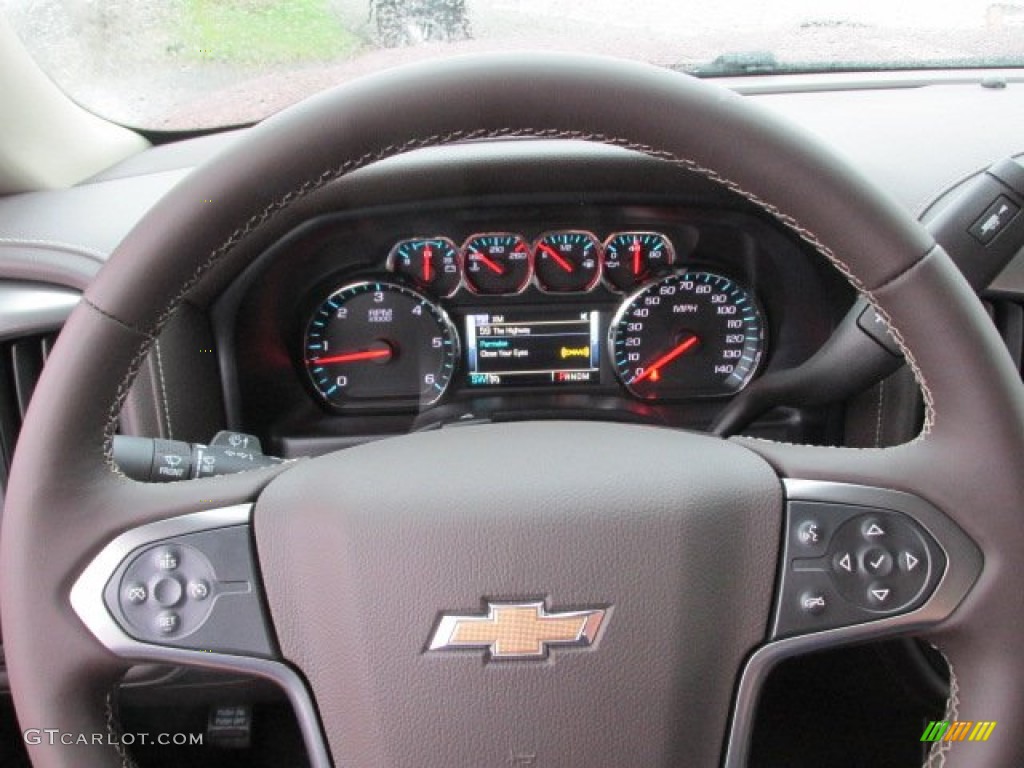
x=194, y=64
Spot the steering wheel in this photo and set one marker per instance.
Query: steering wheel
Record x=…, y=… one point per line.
x=384, y=593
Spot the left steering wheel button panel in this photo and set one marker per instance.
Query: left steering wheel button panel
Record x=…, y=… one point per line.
x=196, y=591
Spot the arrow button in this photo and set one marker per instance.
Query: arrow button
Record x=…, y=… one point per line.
x=873, y=530
x=878, y=595
x=845, y=562
x=909, y=562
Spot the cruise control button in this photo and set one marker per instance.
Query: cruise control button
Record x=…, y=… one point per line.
x=136, y=593
x=199, y=589
x=813, y=603
x=877, y=562
x=168, y=559
x=167, y=592
x=168, y=622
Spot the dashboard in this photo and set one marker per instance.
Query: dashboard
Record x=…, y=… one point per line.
x=388, y=319
x=237, y=358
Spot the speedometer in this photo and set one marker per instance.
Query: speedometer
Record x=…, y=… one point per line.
x=691, y=334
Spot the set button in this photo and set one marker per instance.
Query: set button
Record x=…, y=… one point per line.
x=168, y=622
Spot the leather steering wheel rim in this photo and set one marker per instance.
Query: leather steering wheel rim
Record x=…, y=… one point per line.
x=66, y=499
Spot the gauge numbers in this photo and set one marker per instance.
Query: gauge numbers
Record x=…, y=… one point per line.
x=432, y=263
x=497, y=264
x=690, y=334
x=567, y=262
x=632, y=258
x=380, y=342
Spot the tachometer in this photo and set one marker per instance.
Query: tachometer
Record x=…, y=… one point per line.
x=690, y=334
x=380, y=343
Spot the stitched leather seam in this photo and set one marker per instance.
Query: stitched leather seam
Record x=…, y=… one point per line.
x=330, y=175
x=937, y=754
x=114, y=734
x=881, y=412
x=163, y=388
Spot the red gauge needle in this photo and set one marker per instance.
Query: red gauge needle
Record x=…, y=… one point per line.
x=489, y=263
x=559, y=260
x=353, y=357
x=427, y=255
x=652, y=371
x=636, y=249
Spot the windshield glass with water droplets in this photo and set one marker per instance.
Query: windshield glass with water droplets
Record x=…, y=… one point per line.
x=194, y=64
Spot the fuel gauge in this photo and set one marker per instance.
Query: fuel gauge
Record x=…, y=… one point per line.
x=432, y=263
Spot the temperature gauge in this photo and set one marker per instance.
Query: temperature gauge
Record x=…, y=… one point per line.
x=496, y=264
x=432, y=263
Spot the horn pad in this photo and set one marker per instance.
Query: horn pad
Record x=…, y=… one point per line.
x=441, y=592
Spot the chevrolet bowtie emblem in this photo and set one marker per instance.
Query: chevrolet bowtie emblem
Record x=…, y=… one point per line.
x=517, y=630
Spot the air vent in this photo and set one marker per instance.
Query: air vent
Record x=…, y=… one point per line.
x=1009, y=319
x=21, y=363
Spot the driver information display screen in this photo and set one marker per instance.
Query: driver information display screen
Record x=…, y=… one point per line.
x=521, y=347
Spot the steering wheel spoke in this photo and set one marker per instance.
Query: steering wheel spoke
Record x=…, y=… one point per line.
x=185, y=591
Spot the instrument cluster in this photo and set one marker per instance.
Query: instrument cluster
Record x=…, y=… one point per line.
x=504, y=263
x=563, y=310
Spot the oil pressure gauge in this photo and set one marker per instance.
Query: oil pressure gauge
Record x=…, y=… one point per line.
x=633, y=258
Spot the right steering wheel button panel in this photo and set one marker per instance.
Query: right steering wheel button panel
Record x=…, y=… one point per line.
x=876, y=563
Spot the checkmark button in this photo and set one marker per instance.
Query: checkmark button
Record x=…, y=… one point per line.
x=877, y=562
